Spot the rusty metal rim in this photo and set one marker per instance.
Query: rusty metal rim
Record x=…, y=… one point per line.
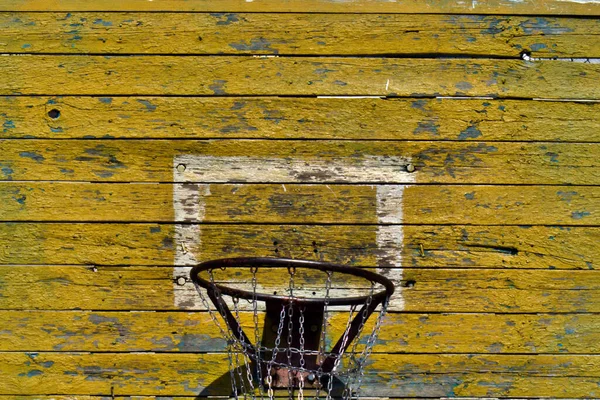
x=257, y=262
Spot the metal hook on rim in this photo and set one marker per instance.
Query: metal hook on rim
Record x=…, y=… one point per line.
x=292, y=269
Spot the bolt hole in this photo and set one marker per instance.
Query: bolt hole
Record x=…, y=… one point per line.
x=276, y=250
x=526, y=55
x=314, y=243
x=316, y=251
x=275, y=243
x=54, y=113
x=314, y=293
x=275, y=292
x=410, y=283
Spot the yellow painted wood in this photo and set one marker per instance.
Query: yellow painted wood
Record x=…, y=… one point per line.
x=387, y=375
x=256, y=203
x=424, y=246
x=303, y=34
x=528, y=7
x=195, y=332
x=434, y=290
x=299, y=118
x=197, y=75
x=286, y=161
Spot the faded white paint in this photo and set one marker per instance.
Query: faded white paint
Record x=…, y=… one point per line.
x=368, y=169
x=189, y=201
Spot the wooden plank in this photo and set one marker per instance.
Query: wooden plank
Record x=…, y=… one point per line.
x=528, y=7
x=421, y=290
x=300, y=161
x=394, y=374
x=423, y=246
x=301, y=34
x=195, y=332
x=259, y=203
x=244, y=75
x=299, y=118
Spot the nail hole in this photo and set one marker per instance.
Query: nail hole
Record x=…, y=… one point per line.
x=410, y=283
x=276, y=250
x=314, y=243
x=54, y=113
x=275, y=243
x=275, y=292
x=200, y=38
x=526, y=55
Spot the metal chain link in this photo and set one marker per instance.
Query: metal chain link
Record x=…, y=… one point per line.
x=302, y=361
x=258, y=344
x=322, y=339
x=355, y=366
x=292, y=272
x=231, y=339
x=245, y=347
x=274, y=352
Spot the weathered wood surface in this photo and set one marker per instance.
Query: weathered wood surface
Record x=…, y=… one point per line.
x=301, y=34
x=195, y=332
x=528, y=7
x=243, y=75
x=293, y=203
x=394, y=374
x=424, y=246
x=300, y=161
x=299, y=118
x=434, y=290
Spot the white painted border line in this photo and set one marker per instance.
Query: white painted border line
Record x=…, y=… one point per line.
x=189, y=206
x=368, y=169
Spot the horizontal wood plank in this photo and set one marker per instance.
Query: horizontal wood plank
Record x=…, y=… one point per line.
x=298, y=118
x=300, y=161
x=324, y=204
x=528, y=7
x=249, y=75
x=423, y=246
x=195, y=332
x=302, y=34
x=429, y=290
x=387, y=375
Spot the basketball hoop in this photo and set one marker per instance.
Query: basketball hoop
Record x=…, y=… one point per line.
x=293, y=352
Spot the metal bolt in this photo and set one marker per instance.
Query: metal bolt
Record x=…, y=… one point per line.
x=311, y=378
x=181, y=281
x=313, y=328
x=181, y=167
x=410, y=168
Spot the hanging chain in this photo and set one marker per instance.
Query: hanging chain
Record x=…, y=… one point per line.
x=370, y=343
x=231, y=338
x=258, y=344
x=292, y=272
x=356, y=368
x=322, y=339
x=302, y=361
x=246, y=347
x=274, y=352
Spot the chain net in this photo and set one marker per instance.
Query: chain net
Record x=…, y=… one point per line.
x=301, y=342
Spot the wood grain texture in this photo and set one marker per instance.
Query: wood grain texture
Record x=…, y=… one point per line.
x=424, y=246
x=528, y=7
x=244, y=75
x=301, y=161
x=302, y=34
x=195, y=332
x=388, y=375
x=299, y=118
x=293, y=203
x=434, y=290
